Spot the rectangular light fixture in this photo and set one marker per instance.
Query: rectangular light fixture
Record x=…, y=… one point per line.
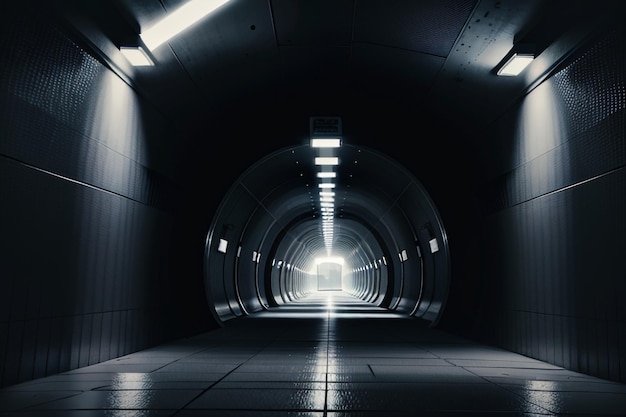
x=518, y=58
x=326, y=175
x=326, y=160
x=222, y=246
x=178, y=20
x=137, y=56
x=515, y=64
x=325, y=143
x=327, y=185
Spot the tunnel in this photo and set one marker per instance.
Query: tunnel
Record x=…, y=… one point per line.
x=322, y=208
x=383, y=233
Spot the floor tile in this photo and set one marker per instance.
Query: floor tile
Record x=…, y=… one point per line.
x=261, y=399
x=306, y=361
x=123, y=400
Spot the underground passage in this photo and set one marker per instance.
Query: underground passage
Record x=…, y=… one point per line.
x=342, y=208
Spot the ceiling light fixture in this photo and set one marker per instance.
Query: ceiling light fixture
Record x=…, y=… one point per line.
x=326, y=160
x=325, y=143
x=516, y=60
x=177, y=21
x=326, y=175
x=137, y=56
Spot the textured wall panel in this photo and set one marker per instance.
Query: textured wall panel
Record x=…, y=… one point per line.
x=63, y=112
x=555, y=223
x=89, y=243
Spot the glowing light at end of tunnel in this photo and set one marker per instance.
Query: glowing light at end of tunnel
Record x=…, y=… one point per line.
x=330, y=259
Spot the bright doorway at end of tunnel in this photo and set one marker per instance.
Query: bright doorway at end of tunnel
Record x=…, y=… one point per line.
x=329, y=274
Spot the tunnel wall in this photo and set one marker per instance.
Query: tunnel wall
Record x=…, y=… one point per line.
x=554, y=225
x=91, y=235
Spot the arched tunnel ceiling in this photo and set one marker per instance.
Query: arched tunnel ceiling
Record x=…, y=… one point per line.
x=331, y=55
x=410, y=79
x=285, y=182
x=377, y=208
x=245, y=79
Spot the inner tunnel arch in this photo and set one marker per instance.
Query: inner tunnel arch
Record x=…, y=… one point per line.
x=263, y=240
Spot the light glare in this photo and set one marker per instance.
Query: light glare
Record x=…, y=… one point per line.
x=326, y=174
x=223, y=245
x=326, y=160
x=136, y=56
x=330, y=259
x=177, y=21
x=516, y=64
x=325, y=143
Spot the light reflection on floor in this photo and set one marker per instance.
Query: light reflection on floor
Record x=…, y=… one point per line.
x=330, y=356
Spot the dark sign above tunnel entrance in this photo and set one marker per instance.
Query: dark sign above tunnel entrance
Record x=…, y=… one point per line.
x=323, y=127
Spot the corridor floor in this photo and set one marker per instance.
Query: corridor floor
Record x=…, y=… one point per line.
x=330, y=357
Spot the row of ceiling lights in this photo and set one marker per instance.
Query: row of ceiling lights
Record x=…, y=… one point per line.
x=327, y=161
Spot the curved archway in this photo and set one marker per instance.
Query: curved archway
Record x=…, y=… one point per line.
x=262, y=244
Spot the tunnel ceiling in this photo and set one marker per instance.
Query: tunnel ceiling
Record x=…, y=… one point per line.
x=407, y=78
x=247, y=78
x=330, y=54
x=391, y=70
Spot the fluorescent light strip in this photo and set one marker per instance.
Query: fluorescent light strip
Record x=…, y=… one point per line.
x=516, y=64
x=136, y=56
x=326, y=143
x=326, y=175
x=326, y=160
x=177, y=21
x=327, y=185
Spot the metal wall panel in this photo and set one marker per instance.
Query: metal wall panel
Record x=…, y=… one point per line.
x=554, y=218
x=89, y=266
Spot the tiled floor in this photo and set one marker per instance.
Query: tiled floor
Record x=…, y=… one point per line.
x=334, y=358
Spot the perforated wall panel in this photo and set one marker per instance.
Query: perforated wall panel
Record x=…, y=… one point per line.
x=554, y=221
